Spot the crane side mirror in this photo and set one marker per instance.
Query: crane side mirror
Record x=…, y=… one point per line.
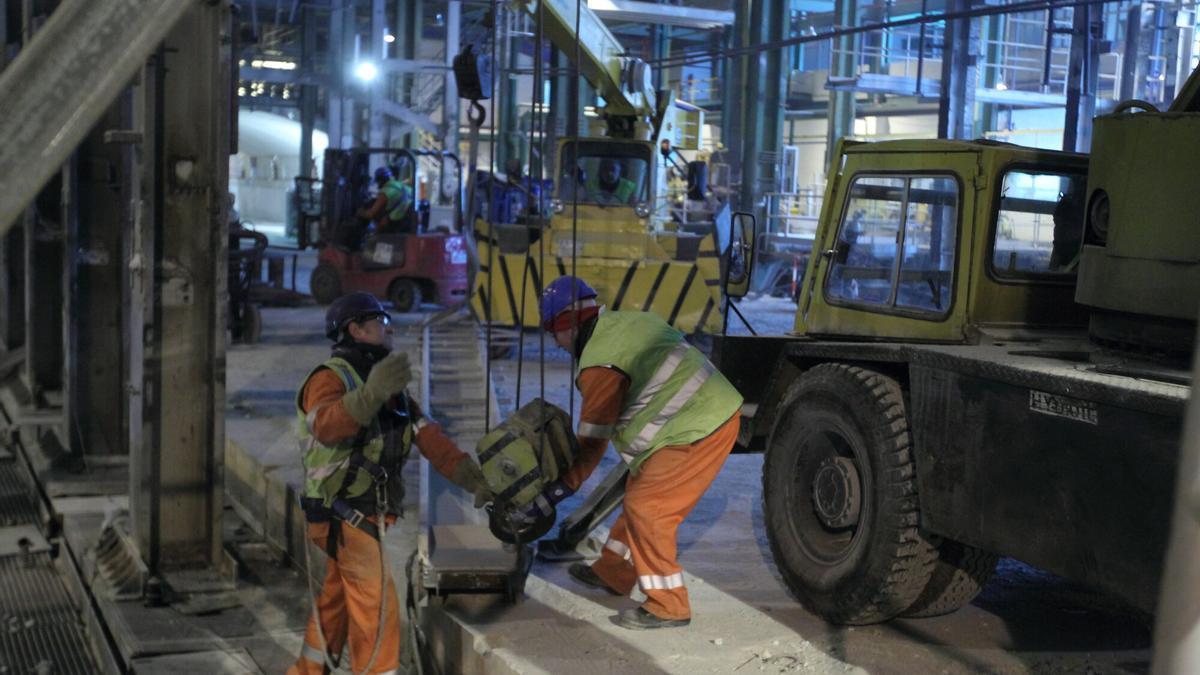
x=739, y=257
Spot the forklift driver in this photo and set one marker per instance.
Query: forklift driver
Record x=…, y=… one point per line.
x=609, y=185
x=392, y=209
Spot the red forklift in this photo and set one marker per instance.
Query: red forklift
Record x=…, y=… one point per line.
x=426, y=261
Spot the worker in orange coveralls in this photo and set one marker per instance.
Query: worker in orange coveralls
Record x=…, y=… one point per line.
x=356, y=425
x=672, y=417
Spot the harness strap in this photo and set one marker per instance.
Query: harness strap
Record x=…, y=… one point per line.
x=354, y=518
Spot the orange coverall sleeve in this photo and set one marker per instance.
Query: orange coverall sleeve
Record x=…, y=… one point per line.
x=332, y=424
x=602, y=393
x=376, y=209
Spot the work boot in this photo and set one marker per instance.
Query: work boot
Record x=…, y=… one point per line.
x=640, y=619
x=583, y=573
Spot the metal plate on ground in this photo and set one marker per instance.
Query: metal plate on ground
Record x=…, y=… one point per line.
x=468, y=559
x=22, y=540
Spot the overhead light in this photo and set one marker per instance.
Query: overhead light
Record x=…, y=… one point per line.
x=389, y=38
x=366, y=71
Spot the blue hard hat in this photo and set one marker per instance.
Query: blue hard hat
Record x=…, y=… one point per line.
x=561, y=294
x=383, y=174
x=349, y=308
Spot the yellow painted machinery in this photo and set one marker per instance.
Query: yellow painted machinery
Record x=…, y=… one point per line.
x=611, y=210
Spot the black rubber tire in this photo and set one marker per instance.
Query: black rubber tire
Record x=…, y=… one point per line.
x=875, y=569
x=325, y=284
x=959, y=574
x=405, y=295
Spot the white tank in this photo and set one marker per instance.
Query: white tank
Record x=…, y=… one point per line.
x=262, y=173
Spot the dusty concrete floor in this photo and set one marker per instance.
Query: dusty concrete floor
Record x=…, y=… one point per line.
x=1025, y=621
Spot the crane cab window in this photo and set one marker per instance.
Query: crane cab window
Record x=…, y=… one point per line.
x=1039, y=225
x=604, y=174
x=896, y=244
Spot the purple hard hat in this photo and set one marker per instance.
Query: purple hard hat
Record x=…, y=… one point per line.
x=351, y=307
x=561, y=294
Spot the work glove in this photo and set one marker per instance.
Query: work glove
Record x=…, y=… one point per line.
x=543, y=504
x=468, y=476
x=387, y=378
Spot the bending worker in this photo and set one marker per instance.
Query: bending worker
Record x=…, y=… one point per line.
x=672, y=417
x=392, y=208
x=356, y=427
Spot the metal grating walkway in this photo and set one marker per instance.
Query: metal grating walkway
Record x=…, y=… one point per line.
x=40, y=628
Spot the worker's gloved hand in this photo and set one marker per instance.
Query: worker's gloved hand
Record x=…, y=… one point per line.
x=387, y=378
x=468, y=476
x=543, y=504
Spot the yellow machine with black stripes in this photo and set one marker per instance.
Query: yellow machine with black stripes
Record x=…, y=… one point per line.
x=610, y=220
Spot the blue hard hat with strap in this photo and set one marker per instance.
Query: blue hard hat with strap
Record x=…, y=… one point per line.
x=561, y=294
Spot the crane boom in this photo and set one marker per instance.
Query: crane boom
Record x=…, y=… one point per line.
x=624, y=82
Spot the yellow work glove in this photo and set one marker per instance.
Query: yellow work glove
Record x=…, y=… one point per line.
x=387, y=378
x=468, y=476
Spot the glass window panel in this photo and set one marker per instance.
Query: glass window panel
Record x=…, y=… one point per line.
x=1039, y=224
x=927, y=268
x=605, y=174
x=866, y=249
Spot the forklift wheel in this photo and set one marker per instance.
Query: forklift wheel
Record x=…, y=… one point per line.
x=325, y=284
x=405, y=295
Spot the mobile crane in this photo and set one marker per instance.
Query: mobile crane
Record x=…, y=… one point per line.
x=989, y=358
x=611, y=209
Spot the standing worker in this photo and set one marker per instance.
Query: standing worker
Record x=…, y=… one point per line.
x=392, y=209
x=356, y=426
x=673, y=419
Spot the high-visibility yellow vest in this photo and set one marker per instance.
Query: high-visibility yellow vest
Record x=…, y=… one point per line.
x=675, y=397
x=622, y=192
x=399, y=199
x=325, y=466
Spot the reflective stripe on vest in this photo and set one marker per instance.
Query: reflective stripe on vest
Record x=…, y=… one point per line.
x=399, y=199
x=675, y=395
x=325, y=467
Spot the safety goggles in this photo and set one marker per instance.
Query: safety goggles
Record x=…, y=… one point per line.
x=384, y=319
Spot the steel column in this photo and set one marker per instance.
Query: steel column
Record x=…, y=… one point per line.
x=176, y=468
x=43, y=286
x=841, y=102
x=956, y=108
x=93, y=312
x=375, y=53
x=449, y=88
x=729, y=74
x=308, y=92
x=763, y=115
x=1082, y=78
x=340, y=111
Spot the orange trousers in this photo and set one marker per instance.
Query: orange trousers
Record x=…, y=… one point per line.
x=348, y=606
x=641, y=545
